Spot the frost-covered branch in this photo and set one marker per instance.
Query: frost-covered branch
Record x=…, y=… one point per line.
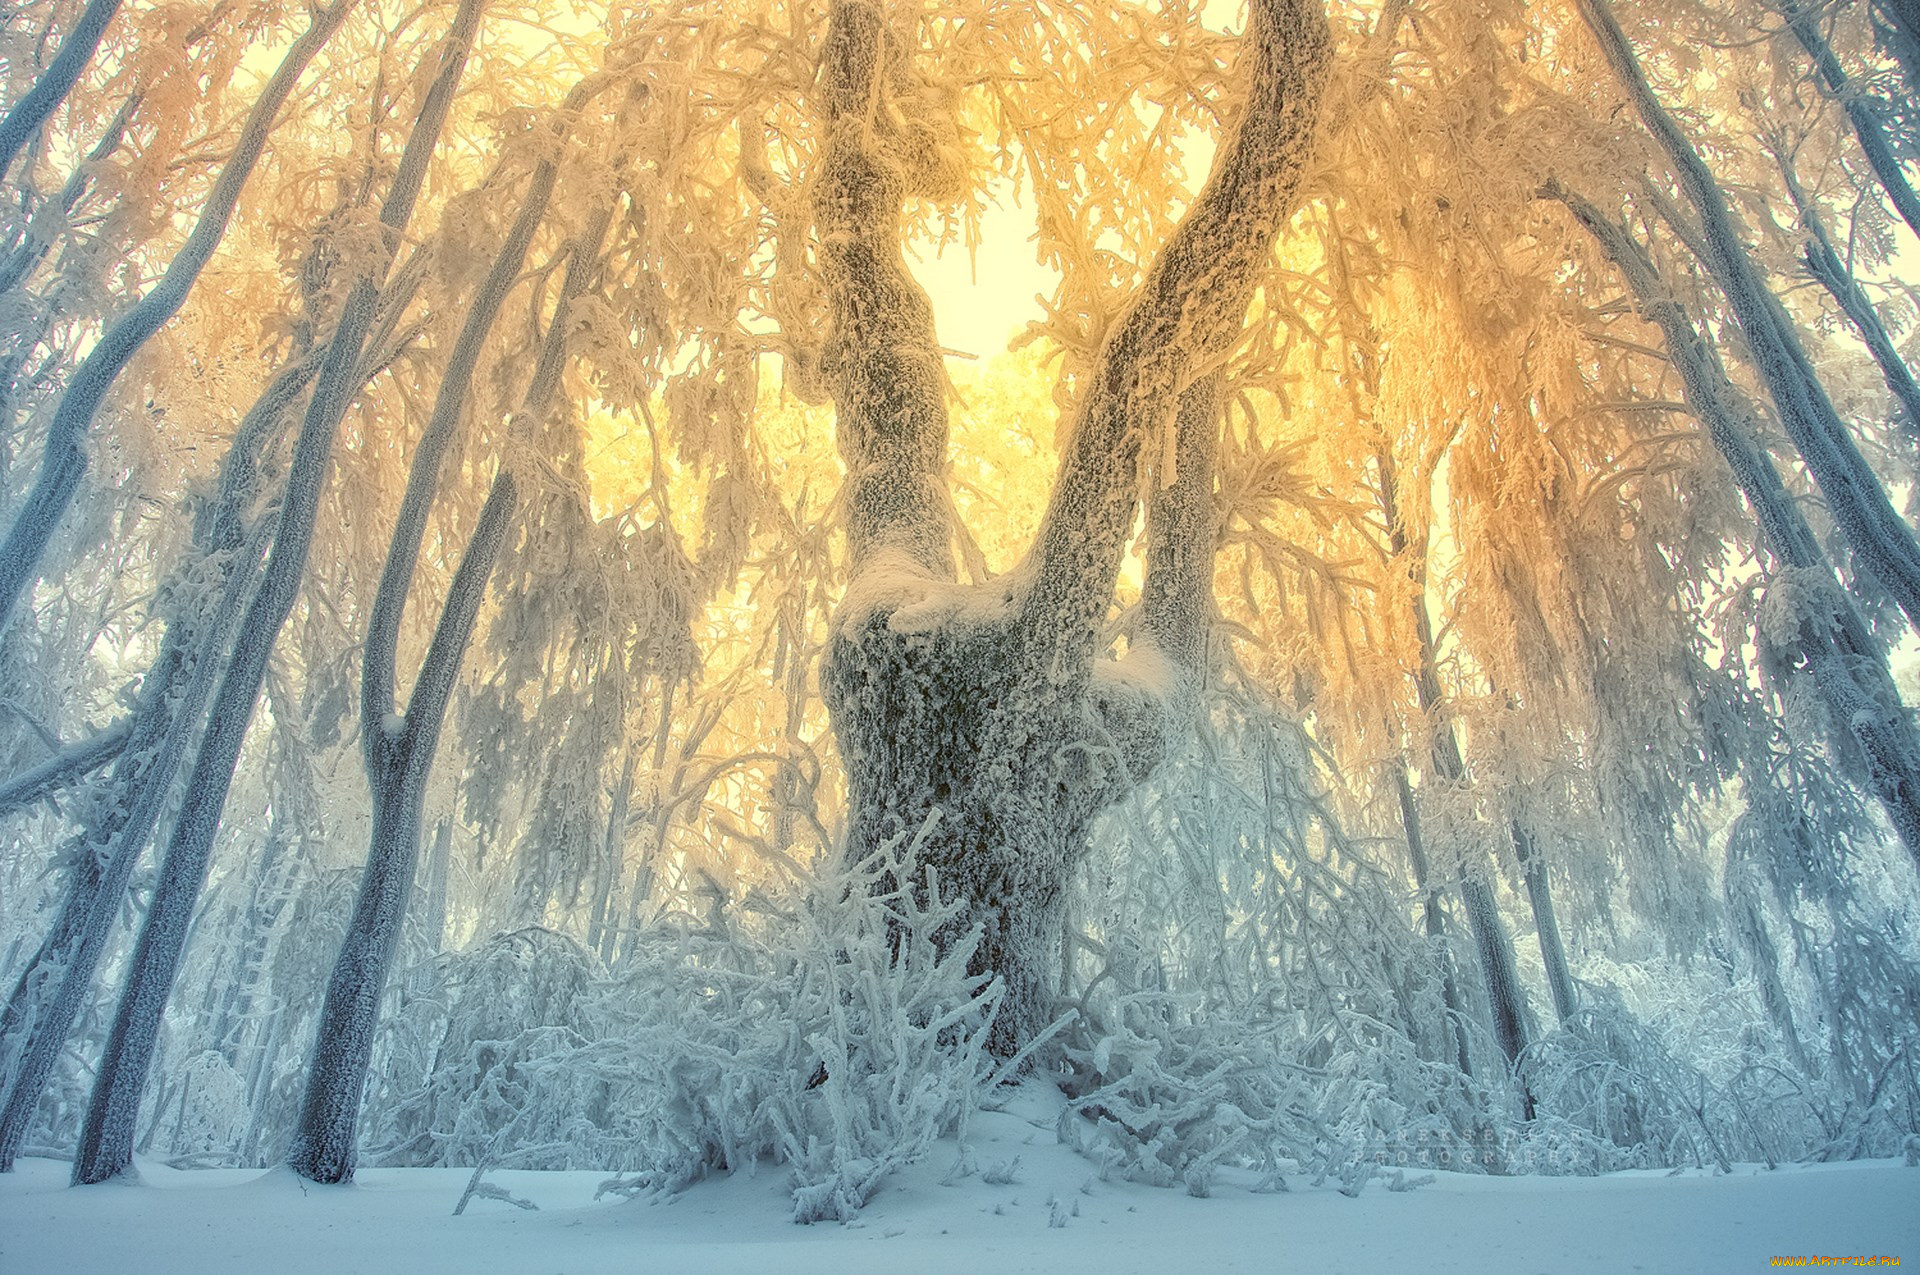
x=68, y=766
x=1883, y=541
x=65, y=460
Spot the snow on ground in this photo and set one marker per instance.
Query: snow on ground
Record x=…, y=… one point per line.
x=204, y=1222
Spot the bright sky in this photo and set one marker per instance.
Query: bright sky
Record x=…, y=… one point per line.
x=982, y=300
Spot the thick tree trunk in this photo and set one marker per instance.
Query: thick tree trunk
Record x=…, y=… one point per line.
x=1882, y=541
x=107, y=1135
x=990, y=708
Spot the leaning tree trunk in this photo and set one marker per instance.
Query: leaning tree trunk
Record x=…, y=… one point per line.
x=1866, y=720
x=1882, y=541
x=106, y=1145
x=990, y=707
x=398, y=748
x=65, y=460
x=51, y=89
x=1868, y=127
x=53, y=989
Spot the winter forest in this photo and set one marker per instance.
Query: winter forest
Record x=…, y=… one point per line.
x=1319, y=590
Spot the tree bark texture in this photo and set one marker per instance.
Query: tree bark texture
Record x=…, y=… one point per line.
x=107, y=1134
x=991, y=704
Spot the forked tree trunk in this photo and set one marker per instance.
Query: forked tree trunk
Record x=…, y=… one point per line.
x=106, y=1140
x=992, y=705
x=398, y=748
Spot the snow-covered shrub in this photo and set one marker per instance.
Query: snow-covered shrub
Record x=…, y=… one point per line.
x=518, y=1000
x=1251, y=991
x=819, y=1029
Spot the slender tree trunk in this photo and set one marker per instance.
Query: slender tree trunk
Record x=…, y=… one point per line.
x=66, y=458
x=1861, y=112
x=1433, y=916
x=1506, y=997
x=1882, y=541
x=1866, y=719
x=51, y=89
x=1546, y=923
x=54, y=987
x=107, y=1135
x=999, y=718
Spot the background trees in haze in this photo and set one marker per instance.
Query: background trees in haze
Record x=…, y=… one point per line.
x=1408, y=646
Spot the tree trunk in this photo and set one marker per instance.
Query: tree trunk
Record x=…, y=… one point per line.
x=1546, y=924
x=1868, y=127
x=107, y=1136
x=1434, y=918
x=54, y=987
x=51, y=89
x=1506, y=998
x=990, y=709
x=323, y=1144
x=66, y=458
x=1882, y=541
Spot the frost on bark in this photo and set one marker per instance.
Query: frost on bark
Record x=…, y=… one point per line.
x=398, y=748
x=53, y=989
x=106, y=1145
x=1812, y=616
x=1882, y=541
x=51, y=89
x=994, y=705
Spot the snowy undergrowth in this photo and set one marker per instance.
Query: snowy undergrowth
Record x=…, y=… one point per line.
x=819, y=1030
